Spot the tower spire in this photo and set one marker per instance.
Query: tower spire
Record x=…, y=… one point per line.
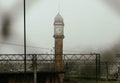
x=58, y=6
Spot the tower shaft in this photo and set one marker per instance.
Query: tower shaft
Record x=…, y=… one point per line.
x=58, y=54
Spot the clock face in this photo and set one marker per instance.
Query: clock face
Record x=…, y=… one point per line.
x=59, y=30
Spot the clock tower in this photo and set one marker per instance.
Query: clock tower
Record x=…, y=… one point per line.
x=58, y=35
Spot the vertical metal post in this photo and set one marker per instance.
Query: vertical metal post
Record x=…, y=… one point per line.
x=99, y=68
x=107, y=71
x=24, y=39
x=96, y=68
x=35, y=68
x=118, y=72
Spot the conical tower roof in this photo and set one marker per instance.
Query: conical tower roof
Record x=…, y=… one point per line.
x=58, y=19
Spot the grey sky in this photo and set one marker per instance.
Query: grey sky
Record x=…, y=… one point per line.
x=89, y=24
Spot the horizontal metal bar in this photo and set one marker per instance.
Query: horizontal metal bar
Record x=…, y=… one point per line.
x=54, y=54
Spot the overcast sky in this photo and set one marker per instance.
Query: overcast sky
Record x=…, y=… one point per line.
x=89, y=24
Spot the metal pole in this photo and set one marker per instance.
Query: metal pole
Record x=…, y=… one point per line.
x=96, y=70
x=107, y=71
x=99, y=69
x=118, y=72
x=35, y=68
x=24, y=39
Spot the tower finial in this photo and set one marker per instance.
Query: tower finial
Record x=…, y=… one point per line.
x=59, y=6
